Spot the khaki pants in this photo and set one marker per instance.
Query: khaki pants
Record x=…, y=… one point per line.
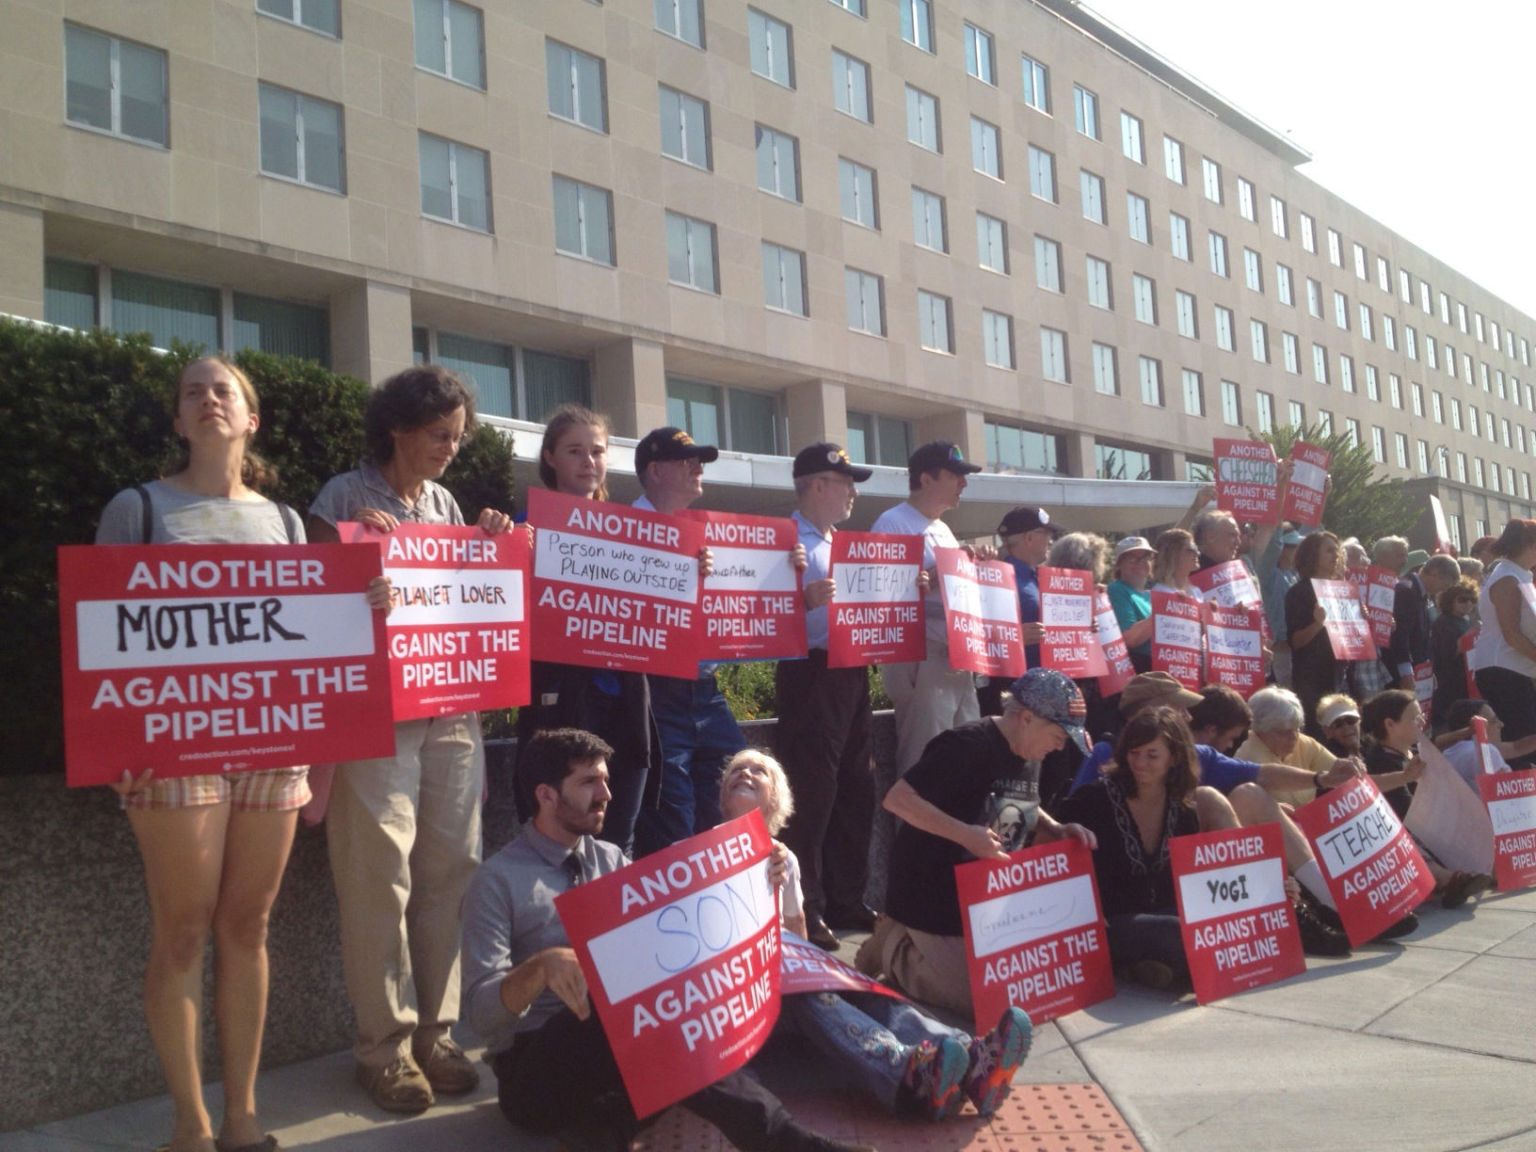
x=404, y=836
x=926, y=967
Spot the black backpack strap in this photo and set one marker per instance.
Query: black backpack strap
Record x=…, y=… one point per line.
x=148, y=531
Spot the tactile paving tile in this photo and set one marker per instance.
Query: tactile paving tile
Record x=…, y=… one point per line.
x=1042, y=1109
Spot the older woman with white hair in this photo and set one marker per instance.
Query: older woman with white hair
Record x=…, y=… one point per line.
x=1275, y=737
x=911, y=1063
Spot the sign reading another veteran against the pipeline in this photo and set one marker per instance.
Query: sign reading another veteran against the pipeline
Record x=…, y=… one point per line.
x=1374, y=872
x=981, y=612
x=458, y=624
x=681, y=955
x=1034, y=935
x=1247, y=479
x=614, y=586
x=220, y=658
x=1511, y=800
x=876, y=615
x=751, y=603
x=1239, y=928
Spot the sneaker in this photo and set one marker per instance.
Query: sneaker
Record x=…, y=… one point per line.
x=448, y=1070
x=1317, y=938
x=995, y=1057
x=1409, y=923
x=930, y=1084
x=398, y=1086
x=1462, y=886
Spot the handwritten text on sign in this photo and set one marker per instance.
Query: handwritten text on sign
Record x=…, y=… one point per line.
x=219, y=658
x=1511, y=800
x=1034, y=935
x=1234, y=651
x=1377, y=588
x=1309, y=479
x=751, y=603
x=1348, y=632
x=1071, y=643
x=876, y=616
x=1178, y=637
x=681, y=955
x=1239, y=930
x=981, y=612
x=458, y=629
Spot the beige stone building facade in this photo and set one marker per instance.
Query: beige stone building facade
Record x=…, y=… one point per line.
x=874, y=221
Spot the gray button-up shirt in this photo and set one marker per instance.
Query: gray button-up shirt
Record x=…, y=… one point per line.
x=344, y=495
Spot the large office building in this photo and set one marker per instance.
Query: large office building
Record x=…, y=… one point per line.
x=1002, y=222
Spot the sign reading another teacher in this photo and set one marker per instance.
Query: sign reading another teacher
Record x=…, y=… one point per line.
x=876, y=617
x=458, y=626
x=681, y=955
x=981, y=611
x=613, y=586
x=219, y=658
x=751, y=604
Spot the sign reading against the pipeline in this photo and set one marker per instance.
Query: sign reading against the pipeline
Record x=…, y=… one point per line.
x=981, y=614
x=1178, y=637
x=1511, y=800
x=1305, y=494
x=1247, y=479
x=1071, y=643
x=876, y=616
x=751, y=603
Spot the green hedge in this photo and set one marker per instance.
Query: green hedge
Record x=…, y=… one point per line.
x=88, y=414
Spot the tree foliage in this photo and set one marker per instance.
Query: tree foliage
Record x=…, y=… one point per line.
x=1362, y=503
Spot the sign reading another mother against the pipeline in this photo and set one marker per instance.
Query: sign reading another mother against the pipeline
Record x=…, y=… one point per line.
x=681, y=955
x=220, y=658
x=1373, y=869
x=614, y=586
x=1511, y=800
x=876, y=614
x=981, y=612
x=458, y=622
x=1034, y=933
x=751, y=605
x=1239, y=929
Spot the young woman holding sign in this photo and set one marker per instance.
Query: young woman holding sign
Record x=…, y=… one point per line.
x=214, y=847
x=1315, y=672
x=404, y=830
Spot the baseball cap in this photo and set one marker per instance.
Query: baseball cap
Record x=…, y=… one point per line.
x=826, y=457
x=1052, y=696
x=671, y=444
x=1128, y=544
x=1338, y=710
x=1156, y=688
x=939, y=454
x=1024, y=519
x=1290, y=539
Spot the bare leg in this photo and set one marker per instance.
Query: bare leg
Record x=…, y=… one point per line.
x=256, y=852
x=1213, y=811
x=183, y=852
x=1253, y=806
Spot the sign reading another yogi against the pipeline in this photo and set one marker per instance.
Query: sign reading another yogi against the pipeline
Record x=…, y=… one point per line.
x=1034, y=935
x=681, y=955
x=613, y=586
x=751, y=601
x=220, y=658
x=1511, y=800
x=981, y=612
x=458, y=627
x=876, y=615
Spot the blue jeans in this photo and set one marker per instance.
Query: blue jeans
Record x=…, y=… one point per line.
x=698, y=735
x=1137, y=936
x=864, y=1033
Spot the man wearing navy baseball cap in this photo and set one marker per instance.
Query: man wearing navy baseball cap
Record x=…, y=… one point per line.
x=974, y=795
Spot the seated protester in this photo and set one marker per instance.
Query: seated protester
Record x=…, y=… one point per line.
x=1339, y=718
x=1393, y=726
x=1276, y=738
x=1461, y=748
x=972, y=795
x=1458, y=607
x=911, y=1063
x=527, y=997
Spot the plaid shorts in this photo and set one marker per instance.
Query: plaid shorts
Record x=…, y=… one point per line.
x=274, y=790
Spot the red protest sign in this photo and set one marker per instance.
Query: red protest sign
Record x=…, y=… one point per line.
x=981, y=613
x=458, y=627
x=1071, y=643
x=751, y=602
x=219, y=658
x=1373, y=869
x=876, y=616
x=1348, y=631
x=681, y=955
x=1488, y=758
x=1465, y=645
x=1511, y=800
x=1377, y=589
x=1117, y=658
x=1177, y=637
x=613, y=586
x=1239, y=929
x=1424, y=686
x=1247, y=479
x=1034, y=935
x=1232, y=585
x=1309, y=478
x=1234, y=650
x=806, y=968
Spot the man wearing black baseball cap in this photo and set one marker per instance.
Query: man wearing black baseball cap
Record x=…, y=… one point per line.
x=1026, y=533
x=822, y=737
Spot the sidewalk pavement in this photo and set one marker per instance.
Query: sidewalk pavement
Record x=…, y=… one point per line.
x=1425, y=1045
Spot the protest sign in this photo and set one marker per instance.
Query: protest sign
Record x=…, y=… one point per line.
x=1373, y=869
x=220, y=658
x=614, y=586
x=1117, y=658
x=1231, y=585
x=1239, y=928
x=1488, y=759
x=981, y=614
x=751, y=601
x=1071, y=642
x=1309, y=479
x=876, y=617
x=806, y=968
x=1448, y=817
x=1247, y=479
x=1511, y=800
x=1234, y=652
x=458, y=625
x=680, y=951
x=1377, y=589
x=1424, y=686
x=1177, y=637
x=1465, y=646
x=1034, y=934
x=1348, y=632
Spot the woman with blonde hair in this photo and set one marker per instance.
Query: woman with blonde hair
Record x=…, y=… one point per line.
x=1177, y=560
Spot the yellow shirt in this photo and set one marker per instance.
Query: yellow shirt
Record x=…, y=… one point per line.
x=1308, y=754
